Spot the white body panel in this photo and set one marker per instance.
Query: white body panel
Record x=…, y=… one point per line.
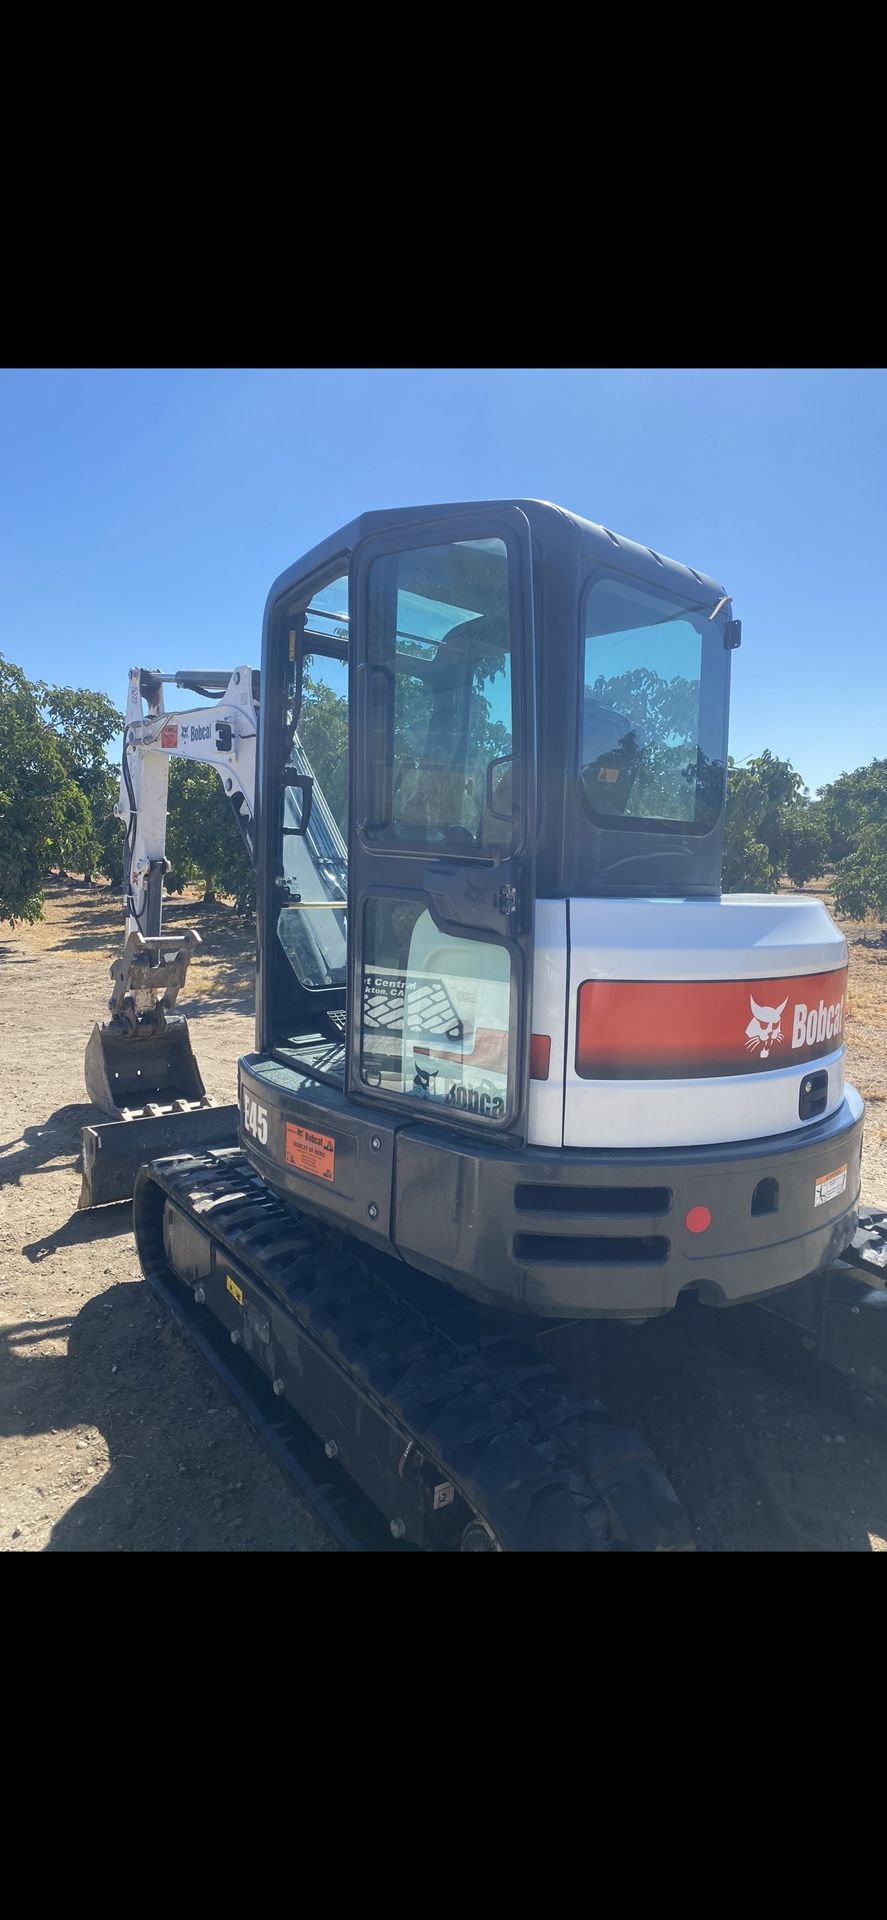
x=740, y=937
x=546, y=1113
x=689, y=1113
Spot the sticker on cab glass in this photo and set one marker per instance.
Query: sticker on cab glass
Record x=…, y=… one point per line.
x=830, y=1186
x=235, y=1291
x=311, y=1152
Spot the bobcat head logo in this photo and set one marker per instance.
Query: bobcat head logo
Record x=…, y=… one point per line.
x=764, y=1029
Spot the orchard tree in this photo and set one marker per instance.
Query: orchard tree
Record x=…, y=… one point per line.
x=772, y=827
x=861, y=878
x=204, y=844
x=84, y=724
x=44, y=816
x=855, y=810
x=852, y=803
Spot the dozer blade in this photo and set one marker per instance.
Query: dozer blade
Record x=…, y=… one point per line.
x=123, y=1073
x=114, y=1151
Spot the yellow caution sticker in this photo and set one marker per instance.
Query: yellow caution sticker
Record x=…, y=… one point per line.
x=235, y=1291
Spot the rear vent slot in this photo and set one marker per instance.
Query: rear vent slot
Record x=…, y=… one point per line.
x=636, y=1250
x=593, y=1200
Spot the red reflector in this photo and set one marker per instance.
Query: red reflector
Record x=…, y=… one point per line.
x=698, y=1219
x=540, y=1056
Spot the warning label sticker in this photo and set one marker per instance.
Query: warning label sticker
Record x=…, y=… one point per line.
x=830, y=1185
x=169, y=736
x=312, y=1152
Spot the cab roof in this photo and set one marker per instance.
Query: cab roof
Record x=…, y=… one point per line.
x=598, y=545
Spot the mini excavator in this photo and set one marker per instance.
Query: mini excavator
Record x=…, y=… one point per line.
x=518, y=1061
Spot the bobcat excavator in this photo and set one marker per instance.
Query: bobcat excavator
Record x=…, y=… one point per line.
x=518, y=1062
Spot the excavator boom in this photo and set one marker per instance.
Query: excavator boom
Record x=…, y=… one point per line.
x=140, y=1068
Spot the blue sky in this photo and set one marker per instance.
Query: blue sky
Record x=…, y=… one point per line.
x=144, y=514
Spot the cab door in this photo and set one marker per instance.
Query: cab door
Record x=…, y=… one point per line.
x=441, y=880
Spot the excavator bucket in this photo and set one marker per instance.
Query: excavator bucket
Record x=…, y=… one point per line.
x=113, y=1152
x=125, y=1073
x=150, y=1082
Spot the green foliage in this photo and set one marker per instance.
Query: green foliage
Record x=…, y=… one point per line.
x=747, y=867
x=771, y=829
x=853, y=803
x=861, y=878
x=84, y=722
x=44, y=816
x=854, y=808
x=204, y=844
x=806, y=849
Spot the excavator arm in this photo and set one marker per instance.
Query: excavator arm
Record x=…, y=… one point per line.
x=139, y=1066
x=222, y=736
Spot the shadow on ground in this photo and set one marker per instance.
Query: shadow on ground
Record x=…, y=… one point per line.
x=11, y=958
x=232, y=988
x=748, y=1449
x=169, y=1485
x=83, y=1229
x=53, y=1139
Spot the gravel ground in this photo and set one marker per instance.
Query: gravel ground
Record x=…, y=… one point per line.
x=115, y=1433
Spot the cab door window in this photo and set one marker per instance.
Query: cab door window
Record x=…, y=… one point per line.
x=441, y=714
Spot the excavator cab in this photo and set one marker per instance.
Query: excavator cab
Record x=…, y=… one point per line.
x=495, y=759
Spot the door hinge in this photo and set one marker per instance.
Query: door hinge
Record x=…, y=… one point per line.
x=506, y=899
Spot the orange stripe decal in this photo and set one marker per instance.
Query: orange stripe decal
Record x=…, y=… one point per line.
x=690, y=1029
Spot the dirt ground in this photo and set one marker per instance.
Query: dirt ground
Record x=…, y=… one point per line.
x=115, y=1435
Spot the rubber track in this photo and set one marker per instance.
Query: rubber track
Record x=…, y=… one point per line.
x=542, y=1465
x=287, y=1438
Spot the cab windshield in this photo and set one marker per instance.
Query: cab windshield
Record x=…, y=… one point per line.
x=651, y=745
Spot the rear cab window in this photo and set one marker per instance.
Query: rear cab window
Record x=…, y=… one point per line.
x=652, y=752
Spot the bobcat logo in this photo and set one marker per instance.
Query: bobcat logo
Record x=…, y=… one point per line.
x=764, y=1028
